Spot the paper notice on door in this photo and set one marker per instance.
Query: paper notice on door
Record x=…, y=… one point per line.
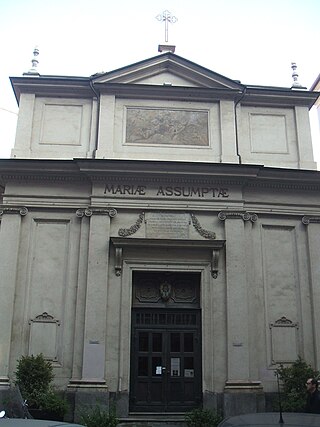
x=158, y=370
x=189, y=373
x=175, y=366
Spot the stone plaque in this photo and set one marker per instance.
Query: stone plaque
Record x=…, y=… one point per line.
x=167, y=225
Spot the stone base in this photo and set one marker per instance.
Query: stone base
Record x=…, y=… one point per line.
x=4, y=383
x=213, y=401
x=243, y=402
x=235, y=400
x=85, y=395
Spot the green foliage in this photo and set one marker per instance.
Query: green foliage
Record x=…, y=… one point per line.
x=293, y=381
x=202, y=418
x=34, y=376
x=50, y=401
x=98, y=417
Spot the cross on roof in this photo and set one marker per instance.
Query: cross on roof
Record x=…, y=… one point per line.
x=166, y=17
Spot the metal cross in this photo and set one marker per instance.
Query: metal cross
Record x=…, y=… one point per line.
x=166, y=17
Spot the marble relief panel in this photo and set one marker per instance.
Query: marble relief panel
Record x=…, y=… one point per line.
x=167, y=126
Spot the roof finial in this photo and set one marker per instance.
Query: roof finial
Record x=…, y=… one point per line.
x=166, y=17
x=33, y=70
x=295, y=76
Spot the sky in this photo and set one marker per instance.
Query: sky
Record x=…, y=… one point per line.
x=254, y=41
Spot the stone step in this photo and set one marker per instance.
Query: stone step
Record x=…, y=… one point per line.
x=153, y=420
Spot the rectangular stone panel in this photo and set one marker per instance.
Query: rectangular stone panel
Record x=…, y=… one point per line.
x=268, y=133
x=61, y=124
x=167, y=225
x=166, y=126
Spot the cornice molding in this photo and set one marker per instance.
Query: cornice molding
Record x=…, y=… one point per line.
x=21, y=177
x=99, y=170
x=120, y=243
x=284, y=186
x=126, y=177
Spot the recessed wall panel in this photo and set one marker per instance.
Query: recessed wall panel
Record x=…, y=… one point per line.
x=268, y=133
x=280, y=290
x=48, y=260
x=166, y=126
x=61, y=124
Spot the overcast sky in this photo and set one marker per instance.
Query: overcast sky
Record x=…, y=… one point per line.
x=253, y=41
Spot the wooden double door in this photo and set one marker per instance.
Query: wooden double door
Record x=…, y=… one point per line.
x=165, y=369
x=165, y=360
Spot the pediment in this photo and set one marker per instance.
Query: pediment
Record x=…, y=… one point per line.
x=168, y=69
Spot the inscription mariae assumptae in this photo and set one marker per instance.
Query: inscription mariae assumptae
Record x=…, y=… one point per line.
x=166, y=191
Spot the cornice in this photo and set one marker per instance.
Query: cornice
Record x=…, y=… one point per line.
x=91, y=171
x=76, y=87
x=20, y=177
x=278, y=185
x=273, y=96
x=144, y=91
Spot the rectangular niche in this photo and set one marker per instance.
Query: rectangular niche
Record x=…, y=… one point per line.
x=164, y=126
x=284, y=341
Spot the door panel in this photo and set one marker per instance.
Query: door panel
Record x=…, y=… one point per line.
x=165, y=360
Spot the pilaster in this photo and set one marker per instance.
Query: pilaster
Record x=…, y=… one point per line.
x=106, y=127
x=238, y=375
x=313, y=233
x=228, y=133
x=9, y=254
x=22, y=145
x=94, y=349
x=304, y=139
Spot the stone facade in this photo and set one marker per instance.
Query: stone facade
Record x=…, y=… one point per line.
x=168, y=168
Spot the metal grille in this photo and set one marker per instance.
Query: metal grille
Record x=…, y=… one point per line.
x=165, y=319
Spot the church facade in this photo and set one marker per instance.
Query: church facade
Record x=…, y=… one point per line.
x=160, y=236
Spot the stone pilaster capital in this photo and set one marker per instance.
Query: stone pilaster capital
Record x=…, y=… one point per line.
x=306, y=220
x=246, y=216
x=23, y=211
x=88, y=212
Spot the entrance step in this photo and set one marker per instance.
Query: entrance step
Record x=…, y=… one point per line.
x=153, y=420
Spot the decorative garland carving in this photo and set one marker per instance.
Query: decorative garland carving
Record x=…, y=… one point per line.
x=23, y=211
x=306, y=220
x=246, y=216
x=125, y=232
x=204, y=233
x=112, y=212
